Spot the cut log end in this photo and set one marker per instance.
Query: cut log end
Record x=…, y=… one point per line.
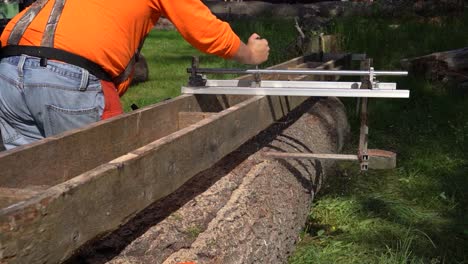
x=381, y=159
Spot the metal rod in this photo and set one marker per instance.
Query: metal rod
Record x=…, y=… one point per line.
x=296, y=84
x=283, y=155
x=364, y=130
x=297, y=72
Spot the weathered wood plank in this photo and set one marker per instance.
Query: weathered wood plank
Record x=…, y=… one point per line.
x=309, y=64
x=189, y=118
x=9, y=196
x=99, y=200
x=57, y=159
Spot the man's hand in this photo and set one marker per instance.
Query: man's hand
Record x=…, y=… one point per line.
x=255, y=52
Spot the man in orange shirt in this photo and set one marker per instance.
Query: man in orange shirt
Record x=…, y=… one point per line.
x=65, y=63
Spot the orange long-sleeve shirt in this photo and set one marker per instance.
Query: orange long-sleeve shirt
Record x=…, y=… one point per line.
x=108, y=32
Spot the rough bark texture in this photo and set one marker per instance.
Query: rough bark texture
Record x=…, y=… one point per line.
x=164, y=24
x=245, y=209
x=330, y=9
x=452, y=64
x=141, y=72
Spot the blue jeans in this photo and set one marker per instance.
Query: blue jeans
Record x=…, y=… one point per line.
x=37, y=102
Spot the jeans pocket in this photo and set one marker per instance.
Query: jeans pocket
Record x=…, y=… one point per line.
x=8, y=133
x=60, y=119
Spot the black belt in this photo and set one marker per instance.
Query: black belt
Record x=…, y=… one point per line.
x=45, y=53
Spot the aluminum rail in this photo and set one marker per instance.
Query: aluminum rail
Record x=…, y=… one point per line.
x=295, y=84
x=297, y=72
x=291, y=91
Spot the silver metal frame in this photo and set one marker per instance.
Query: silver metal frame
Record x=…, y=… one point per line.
x=298, y=72
x=367, y=88
x=199, y=85
x=296, y=88
x=296, y=84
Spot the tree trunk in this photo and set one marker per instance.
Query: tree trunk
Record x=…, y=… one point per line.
x=245, y=209
x=141, y=72
x=451, y=64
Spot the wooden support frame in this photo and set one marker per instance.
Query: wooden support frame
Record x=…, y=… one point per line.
x=114, y=182
x=12, y=195
x=189, y=118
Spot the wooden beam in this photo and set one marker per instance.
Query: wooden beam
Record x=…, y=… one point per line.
x=9, y=196
x=306, y=65
x=60, y=158
x=189, y=118
x=52, y=161
x=69, y=214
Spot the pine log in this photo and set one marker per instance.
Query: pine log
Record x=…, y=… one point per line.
x=141, y=72
x=253, y=208
x=451, y=64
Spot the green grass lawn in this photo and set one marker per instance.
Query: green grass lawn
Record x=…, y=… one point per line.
x=416, y=213
x=168, y=56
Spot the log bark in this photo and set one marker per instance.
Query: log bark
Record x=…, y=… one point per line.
x=331, y=9
x=141, y=72
x=253, y=208
x=452, y=64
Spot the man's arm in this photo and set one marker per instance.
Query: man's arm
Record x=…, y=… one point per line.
x=255, y=52
x=203, y=30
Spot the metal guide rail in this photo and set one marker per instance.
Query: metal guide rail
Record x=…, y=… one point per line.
x=367, y=87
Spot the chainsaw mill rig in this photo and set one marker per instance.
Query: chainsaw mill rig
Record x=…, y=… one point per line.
x=367, y=87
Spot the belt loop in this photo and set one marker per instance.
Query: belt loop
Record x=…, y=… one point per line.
x=20, y=66
x=2, y=146
x=84, y=79
x=43, y=62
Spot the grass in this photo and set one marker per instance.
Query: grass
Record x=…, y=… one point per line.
x=418, y=212
x=168, y=56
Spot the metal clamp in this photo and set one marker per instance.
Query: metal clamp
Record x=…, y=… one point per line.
x=195, y=78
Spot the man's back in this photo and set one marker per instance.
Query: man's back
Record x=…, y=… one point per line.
x=107, y=32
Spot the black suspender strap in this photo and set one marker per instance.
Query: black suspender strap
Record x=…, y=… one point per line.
x=131, y=64
x=47, y=51
x=56, y=54
x=51, y=26
x=23, y=23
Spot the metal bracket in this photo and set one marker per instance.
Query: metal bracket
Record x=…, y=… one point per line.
x=368, y=83
x=257, y=78
x=196, y=79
